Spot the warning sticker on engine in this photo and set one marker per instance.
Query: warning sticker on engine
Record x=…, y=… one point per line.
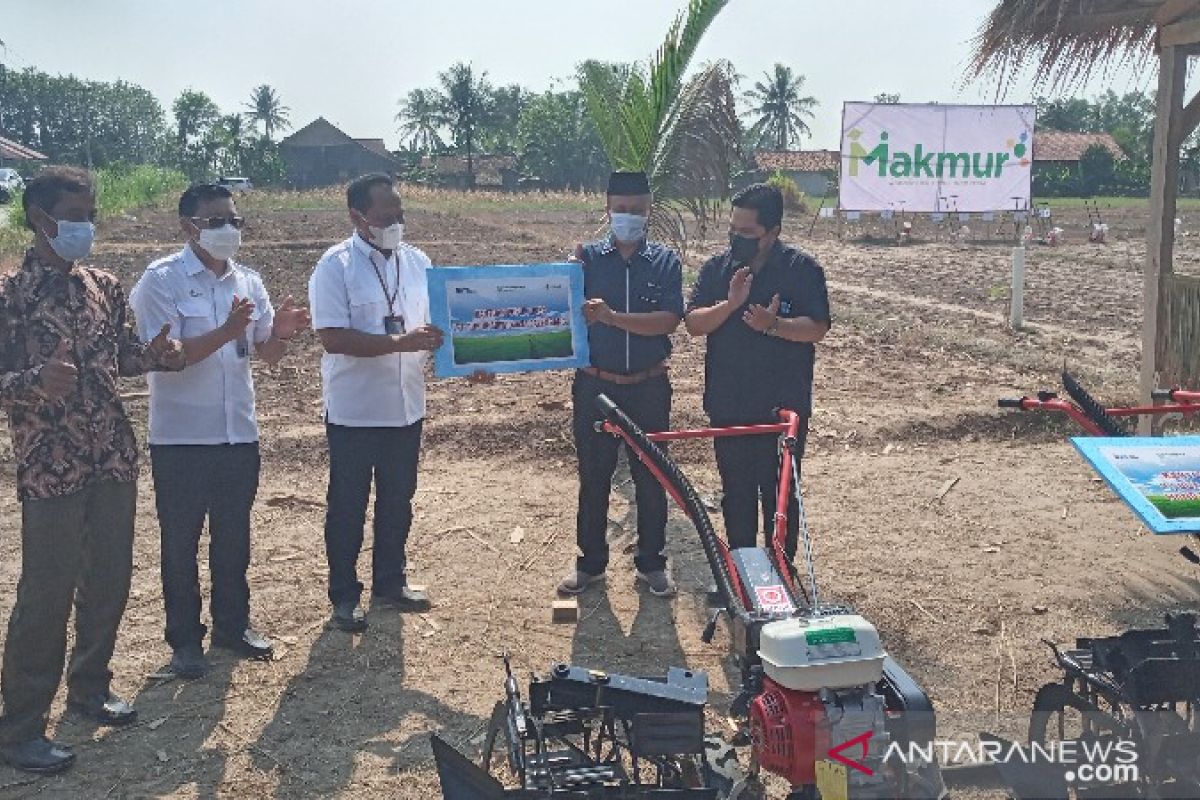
x=773, y=599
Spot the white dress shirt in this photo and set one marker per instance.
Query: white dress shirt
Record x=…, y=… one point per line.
x=349, y=289
x=210, y=402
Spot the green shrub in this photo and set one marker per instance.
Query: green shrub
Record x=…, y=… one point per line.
x=122, y=188
x=793, y=198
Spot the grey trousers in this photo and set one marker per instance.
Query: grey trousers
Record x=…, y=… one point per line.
x=76, y=549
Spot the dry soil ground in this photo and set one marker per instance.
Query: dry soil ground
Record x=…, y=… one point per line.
x=1026, y=543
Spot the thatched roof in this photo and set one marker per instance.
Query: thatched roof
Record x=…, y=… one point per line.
x=1066, y=40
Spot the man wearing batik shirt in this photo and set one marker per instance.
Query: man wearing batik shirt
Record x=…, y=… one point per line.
x=66, y=334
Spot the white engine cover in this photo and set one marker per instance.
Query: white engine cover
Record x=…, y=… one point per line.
x=834, y=652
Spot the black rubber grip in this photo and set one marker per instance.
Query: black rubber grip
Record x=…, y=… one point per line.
x=1162, y=394
x=1091, y=407
x=1011, y=402
x=691, y=500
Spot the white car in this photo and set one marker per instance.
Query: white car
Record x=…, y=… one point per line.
x=235, y=183
x=10, y=183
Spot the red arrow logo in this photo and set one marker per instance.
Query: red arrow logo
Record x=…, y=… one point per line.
x=862, y=739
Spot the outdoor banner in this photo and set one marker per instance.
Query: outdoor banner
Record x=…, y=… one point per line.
x=935, y=158
x=508, y=318
x=1158, y=477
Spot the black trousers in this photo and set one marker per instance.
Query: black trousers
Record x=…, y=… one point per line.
x=649, y=405
x=356, y=455
x=192, y=482
x=749, y=467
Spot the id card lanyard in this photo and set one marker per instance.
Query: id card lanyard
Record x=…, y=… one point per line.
x=393, y=322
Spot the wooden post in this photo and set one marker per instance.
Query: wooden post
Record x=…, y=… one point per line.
x=1017, y=308
x=1160, y=232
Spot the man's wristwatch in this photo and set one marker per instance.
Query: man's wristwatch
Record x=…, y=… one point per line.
x=773, y=330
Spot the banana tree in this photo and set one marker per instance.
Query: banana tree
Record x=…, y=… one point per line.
x=657, y=122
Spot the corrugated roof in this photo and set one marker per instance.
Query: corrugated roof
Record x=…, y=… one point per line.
x=1060, y=146
x=797, y=160
x=14, y=151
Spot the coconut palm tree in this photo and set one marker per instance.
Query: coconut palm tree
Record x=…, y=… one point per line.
x=780, y=109
x=421, y=119
x=265, y=107
x=465, y=104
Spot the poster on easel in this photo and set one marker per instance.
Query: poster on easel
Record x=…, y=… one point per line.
x=519, y=318
x=1157, y=477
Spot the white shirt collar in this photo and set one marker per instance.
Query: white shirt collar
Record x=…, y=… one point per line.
x=193, y=266
x=365, y=247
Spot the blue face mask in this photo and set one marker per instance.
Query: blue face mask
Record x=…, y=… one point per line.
x=628, y=227
x=74, y=240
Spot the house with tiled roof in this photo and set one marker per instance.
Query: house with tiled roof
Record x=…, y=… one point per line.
x=12, y=152
x=497, y=172
x=320, y=154
x=814, y=171
x=1068, y=148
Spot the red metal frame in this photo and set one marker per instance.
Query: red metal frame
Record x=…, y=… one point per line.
x=1185, y=402
x=789, y=426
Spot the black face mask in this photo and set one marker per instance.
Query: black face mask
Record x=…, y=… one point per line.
x=743, y=249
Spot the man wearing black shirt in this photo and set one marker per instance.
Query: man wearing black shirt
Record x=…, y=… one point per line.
x=762, y=305
x=634, y=291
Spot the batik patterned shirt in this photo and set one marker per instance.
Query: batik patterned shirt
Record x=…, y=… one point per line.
x=61, y=446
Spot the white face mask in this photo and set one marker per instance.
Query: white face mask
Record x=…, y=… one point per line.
x=74, y=240
x=221, y=243
x=628, y=227
x=388, y=238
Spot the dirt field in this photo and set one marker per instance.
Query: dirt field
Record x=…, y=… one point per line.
x=1024, y=544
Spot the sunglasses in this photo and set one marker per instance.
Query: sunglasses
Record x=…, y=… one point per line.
x=218, y=222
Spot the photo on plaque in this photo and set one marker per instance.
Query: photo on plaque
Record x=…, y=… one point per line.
x=519, y=318
x=1158, y=477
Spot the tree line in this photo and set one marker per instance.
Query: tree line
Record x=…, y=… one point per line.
x=1129, y=118
x=551, y=133
x=99, y=124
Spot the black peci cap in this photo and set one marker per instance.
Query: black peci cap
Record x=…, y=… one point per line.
x=628, y=183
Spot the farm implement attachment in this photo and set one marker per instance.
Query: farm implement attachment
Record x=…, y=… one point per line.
x=820, y=703
x=1126, y=706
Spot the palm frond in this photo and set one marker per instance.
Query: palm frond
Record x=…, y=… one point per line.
x=603, y=89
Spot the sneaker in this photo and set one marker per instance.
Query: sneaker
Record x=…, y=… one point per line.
x=577, y=581
x=188, y=662
x=39, y=756
x=348, y=616
x=658, y=582
x=249, y=644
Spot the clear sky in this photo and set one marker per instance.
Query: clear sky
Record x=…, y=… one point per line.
x=352, y=60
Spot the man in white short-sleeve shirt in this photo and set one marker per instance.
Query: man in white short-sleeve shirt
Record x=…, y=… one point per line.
x=370, y=307
x=203, y=430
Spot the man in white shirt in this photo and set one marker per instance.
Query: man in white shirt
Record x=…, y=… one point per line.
x=370, y=307
x=203, y=431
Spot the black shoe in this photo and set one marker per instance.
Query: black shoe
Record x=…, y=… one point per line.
x=250, y=644
x=105, y=708
x=188, y=662
x=39, y=756
x=404, y=599
x=349, y=616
